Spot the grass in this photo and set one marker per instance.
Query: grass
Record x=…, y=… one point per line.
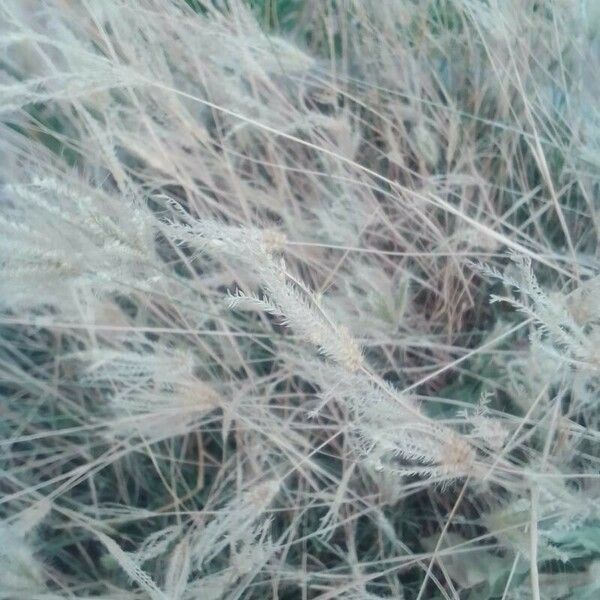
x=297, y=300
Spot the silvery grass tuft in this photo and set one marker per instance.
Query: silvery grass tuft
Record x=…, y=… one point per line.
x=299, y=299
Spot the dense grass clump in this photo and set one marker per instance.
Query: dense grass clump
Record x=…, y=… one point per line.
x=299, y=299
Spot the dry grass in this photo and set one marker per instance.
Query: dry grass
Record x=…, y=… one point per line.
x=247, y=258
